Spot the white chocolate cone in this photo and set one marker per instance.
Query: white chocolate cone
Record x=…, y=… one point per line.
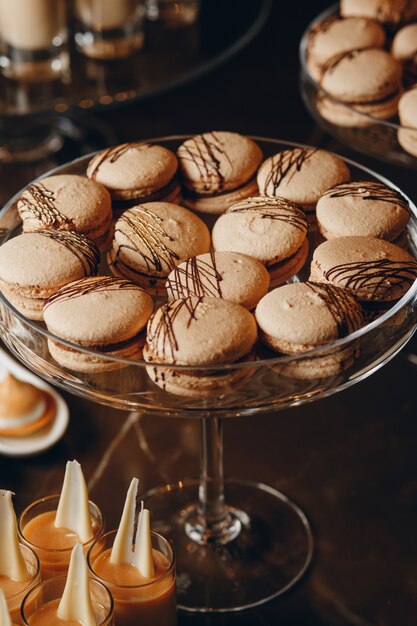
x=143, y=557
x=122, y=551
x=76, y=603
x=4, y=611
x=73, y=509
x=12, y=563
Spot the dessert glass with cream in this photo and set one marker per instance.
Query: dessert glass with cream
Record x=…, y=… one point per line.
x=33, y=39
x=69, y=600
x=107, y=29
x=138, y=568
x=53, y=525
x=19, y=564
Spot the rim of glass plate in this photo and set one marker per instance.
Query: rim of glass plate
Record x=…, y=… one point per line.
x=316, y=352
x=330, y=11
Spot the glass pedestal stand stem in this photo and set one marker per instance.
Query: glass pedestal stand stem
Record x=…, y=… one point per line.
x=212, y=522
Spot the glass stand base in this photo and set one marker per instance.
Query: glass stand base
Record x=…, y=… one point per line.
x=264, y=560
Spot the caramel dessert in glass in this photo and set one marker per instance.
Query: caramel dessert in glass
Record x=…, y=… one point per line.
x=69, y=601
x=53, y=525
x=138, y=569
x=19, y=565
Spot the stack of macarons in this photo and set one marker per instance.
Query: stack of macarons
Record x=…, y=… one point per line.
x=362, y=60
x=195, y=304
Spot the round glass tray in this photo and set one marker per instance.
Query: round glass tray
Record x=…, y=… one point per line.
x=269, y=383
x=238, y=544
x=168, y=59
x=371, y=136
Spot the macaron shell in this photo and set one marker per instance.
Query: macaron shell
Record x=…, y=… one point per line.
x=218, y=161
x=42, y=261
x=98, y=311
x=323, y=366
x=362, y=208
x=218, y=204
x=387, y=11
x=298, y=317
x=67, y=202
x=356, y=116
x=337, y=36
x=229, y=275
x=372, y=269
x=133, y=169
x=362, y=76
x=199, y=386
x=407, y=108
x=301, y=175
x=200, y=331
x=152, y=238
x=286, y=269
x=404, y=45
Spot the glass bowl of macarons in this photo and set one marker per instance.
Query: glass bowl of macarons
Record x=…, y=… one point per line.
x=217, y=274
x=359, y=76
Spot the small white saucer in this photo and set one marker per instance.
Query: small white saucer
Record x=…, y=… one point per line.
x=46, y=437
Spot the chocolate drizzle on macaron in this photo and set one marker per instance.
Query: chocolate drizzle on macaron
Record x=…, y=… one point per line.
x=40, y=203
x=148, y=230
x=204, y=152
x=368, y=191
x=345, y=311
x=273, y=209
x=284, y=165
x=112, y=155
x=83, y=248
x=83, y=287
x=196, y=277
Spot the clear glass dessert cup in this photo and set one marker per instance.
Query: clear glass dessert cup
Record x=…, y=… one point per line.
x=238, y=544
x=52, y=589
x=367, y=134
x=55, y=561
x=14, y=600
x=149, y=602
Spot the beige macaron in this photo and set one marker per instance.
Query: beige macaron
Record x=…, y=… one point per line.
x=218, y=169
x=358, y=84
x=136, y=172
x=299, y=317
x=34, y=265
x=68, y=202
x=272, y=230
x=407, y=111
x=333, y=37
x=404, y=49
x=365, y=208
x=151, y=239
x=375, y=271
x=229, y=275
x=391, y=12
x=302, y=175
x=104, y=315
x=200, y=332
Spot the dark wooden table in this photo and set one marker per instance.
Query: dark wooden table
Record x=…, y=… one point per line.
x=349, y=461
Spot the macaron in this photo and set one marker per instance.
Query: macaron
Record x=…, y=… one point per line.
x=404, y=49
x=151, y=239
x=407, y=111
x=135, y=173
x=68, y=202
x=217, y=170
x=358, y=84
x=229, y=275
x=376, y=272
x=271, y=230
x=198, y=332
x=390, y=12
x=364, y=208
x=299, y=317
x=102, y=314
x=333, y=37
x=302, y=175
x=34, y=265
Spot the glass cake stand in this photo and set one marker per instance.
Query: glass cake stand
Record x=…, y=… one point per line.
x=238, y=544
x=373, y=137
